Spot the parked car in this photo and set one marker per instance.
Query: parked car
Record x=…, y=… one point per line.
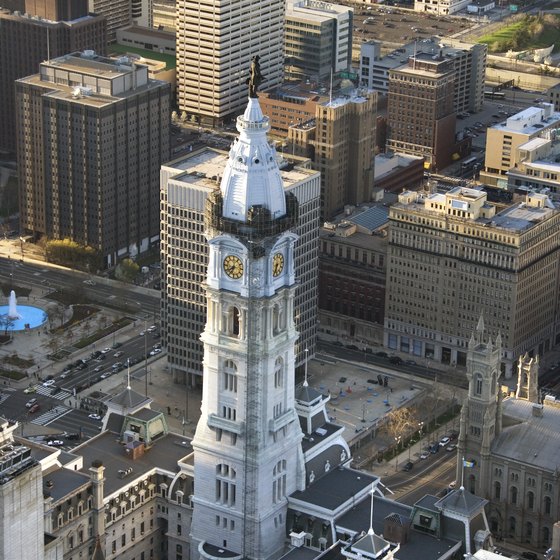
x=451, y=447
x=73, y=436
x=408, y=466
x=381, y=354
x=434, y=447
x=118, y=354
x=444, y=441
x=55, y=442
x=35, y=407
x=395, y=360
x=424, y=455
x=30, y=403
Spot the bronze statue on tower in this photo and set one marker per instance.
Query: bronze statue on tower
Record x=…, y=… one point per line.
x=255, y=77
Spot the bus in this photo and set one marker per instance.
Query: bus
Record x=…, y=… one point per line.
x=468, y=163
x=496, y=95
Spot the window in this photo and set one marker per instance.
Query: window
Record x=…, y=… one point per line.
x=497, y=490
x=547, y=505
x=230, y=376
x=225, y=485
x=279, y=481
x=530, y=500
x=478, y=384
x=279, y=373
x=513, y=495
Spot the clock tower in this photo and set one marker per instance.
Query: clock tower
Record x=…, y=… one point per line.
x=481, y=413
x=247, y=446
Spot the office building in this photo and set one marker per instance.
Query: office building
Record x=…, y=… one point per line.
x=420, y=109
x=468, y=60
x=510, y=444
x=186, y=185
x=453, y=256
x=118, y=13
x=215, y=46
x=90, y=171
x=352, y=271
x=318, y=40
x=538, y=168
x=38, y=31
x=504, y=141
x=341, y=143
x=164, y=12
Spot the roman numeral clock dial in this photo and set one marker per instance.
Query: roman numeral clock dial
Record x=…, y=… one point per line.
x=277, y=264
x=233, y=267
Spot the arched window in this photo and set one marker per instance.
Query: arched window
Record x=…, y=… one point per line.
x=225, y=484
x=530, y=500
x=279, y=481
x=478, y=384
x=513, y=495
x=547, y=505
x=497, y=490
x=279, y=373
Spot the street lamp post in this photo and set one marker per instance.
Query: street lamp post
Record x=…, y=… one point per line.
x=397, y=441
x=363, y=412
x=146, y=355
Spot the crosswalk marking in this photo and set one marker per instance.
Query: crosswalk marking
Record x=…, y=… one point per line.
x=47, y=417
x=50, y=392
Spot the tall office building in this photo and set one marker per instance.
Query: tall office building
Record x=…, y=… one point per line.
x=454, y=256
x=92, y=134
x=31, y=32
x=117, y=12
x=420, y=109
x=469, y=65
x=342, y=142
x=216, y=42
x=318, y=40
x=186, y=185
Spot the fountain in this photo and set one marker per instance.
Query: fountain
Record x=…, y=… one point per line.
x=12, y=307
x=19, y=318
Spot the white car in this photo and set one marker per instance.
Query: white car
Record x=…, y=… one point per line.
x=49, y=383
x=105, y=350
x=89, y=282
x=94, y=416
x=152, y=328
x=424, y=455
x=155, y=351
x=444, y=441
x=55, y=442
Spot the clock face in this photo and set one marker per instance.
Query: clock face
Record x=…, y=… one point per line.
x=233, y=267
x=277, y=264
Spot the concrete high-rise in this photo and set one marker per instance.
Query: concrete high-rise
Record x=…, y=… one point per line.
x=342, y=142
x=186, y=184
x=31, y=32
x=117, y=12
x=420, y=109
x=318, y=40
x=92, y=134
x=215, y=45
x=454, y=256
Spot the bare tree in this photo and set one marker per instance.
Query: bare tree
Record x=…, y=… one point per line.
x=402, y=423
x=6, y=323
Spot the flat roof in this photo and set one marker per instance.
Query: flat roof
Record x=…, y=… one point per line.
x=206, y=167
x=163, y=454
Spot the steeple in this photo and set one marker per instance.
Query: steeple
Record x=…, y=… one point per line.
x=528, y=378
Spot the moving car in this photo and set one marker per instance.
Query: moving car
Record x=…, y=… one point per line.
x=424, y=455
x=49, y=383
x=55, y=442
x=94, y=416
x=30, y=403
x=35, y=407
x=29, y=390
x=444, y=441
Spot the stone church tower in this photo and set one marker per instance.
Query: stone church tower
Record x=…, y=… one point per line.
x=528, y=379
x=481, y=413
x=247, y=448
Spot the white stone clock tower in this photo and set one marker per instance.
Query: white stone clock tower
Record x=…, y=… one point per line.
x=247, y=446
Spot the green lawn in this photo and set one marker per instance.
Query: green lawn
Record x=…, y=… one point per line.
x=503, y=34
x=154, y=55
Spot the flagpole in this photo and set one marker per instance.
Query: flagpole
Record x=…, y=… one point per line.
x=462, y=472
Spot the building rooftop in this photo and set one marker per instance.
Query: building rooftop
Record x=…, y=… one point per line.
x=205, y=167
x=315, y=10
x=530, y=121
x=533, y=439
x=334, y=489
x=60, y=482
x=164, y=455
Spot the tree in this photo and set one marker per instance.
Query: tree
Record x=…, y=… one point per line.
x=126, y=270
x=401, y=423
x=6, y=323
